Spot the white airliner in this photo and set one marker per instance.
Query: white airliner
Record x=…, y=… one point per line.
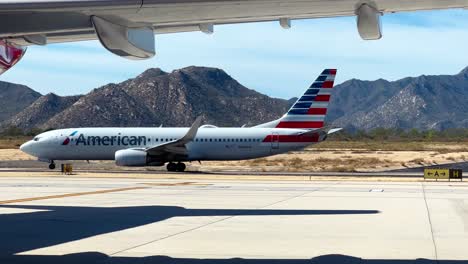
x=300, y=127
x=127, y=27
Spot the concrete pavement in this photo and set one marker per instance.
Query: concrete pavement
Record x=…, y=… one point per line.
x=112, y=220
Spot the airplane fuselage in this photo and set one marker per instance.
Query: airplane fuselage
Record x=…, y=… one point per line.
x=210, y=143
x=301, y=126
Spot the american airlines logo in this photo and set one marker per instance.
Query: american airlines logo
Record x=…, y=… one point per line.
x=109, y=140
x=67, y=140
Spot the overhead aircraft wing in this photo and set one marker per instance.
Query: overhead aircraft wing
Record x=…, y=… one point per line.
x=127, y=27
x=177, y=146
x=29, y=22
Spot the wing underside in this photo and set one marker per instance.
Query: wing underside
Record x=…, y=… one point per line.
x=70, y=20
x=127, y=27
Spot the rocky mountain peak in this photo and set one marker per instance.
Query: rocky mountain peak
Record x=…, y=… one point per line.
x=14, y=98
x=152, y=73
x=464, y=72
x=207, y=74
x=50, y=96
x=412, y=102
x=41, y=110
x=172, y=99
x=205, y=71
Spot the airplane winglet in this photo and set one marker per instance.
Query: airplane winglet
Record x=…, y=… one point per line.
x=178, y=146
x=192, y=131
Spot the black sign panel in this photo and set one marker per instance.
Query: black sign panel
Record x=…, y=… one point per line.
x=456, y=174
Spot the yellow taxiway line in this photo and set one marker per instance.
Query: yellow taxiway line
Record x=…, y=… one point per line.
x=69, y=195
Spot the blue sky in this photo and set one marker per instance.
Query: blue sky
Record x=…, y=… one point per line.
x=265, y=57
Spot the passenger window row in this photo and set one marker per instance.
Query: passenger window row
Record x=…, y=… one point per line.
x=212, y=139
x=164, y=139
x=227, y=140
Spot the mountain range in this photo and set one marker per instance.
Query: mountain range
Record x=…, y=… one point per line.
x=425, y=102
x=156, y=98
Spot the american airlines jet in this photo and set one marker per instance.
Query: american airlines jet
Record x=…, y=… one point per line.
x=301, y=126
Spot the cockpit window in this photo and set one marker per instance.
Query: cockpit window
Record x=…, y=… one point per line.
x=36, y=138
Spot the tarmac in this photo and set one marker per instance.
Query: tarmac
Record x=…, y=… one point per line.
x=187, y=219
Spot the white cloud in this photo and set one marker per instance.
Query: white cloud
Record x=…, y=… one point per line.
x=265, y=57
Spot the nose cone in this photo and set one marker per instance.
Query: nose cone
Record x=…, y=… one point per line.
x=27, y=148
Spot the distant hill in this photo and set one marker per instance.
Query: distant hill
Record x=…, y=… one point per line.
x=156, y=98
x=14, y=98
x=425, y=102
x=40, y=111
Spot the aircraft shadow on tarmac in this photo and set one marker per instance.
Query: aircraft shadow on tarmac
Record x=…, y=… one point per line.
x=60, y=224
x=456, y=165
x=55, y=225
x=99, y=258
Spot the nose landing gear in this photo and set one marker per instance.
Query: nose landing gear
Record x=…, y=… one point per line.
x=52, y=165
x=180, y=167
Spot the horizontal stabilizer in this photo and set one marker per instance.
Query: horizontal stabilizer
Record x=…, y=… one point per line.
x=334, y=130
x=323, y=131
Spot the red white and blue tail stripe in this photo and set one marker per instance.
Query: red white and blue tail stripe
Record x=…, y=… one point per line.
x=309, y=111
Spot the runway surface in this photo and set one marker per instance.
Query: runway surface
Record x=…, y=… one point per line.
x=400, y=174
x=81, y=166
x=115, y=220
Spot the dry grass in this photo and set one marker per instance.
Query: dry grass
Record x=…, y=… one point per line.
x=295, y=163
x=366, y=146
x=418, y=161
x=14, y=154
x=12, y=142
x=353, y=156
x=326, y=156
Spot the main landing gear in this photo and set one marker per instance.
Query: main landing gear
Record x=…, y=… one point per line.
x=52, y=165
x=180, y=167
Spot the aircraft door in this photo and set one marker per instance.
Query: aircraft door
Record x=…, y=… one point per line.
x=274, y=141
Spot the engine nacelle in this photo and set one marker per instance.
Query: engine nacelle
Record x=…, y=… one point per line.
x=124, y=38
x=131, y=157
x=9, y=55
x=136, y=158
x=368, y=22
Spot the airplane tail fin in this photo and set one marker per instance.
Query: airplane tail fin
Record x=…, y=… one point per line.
x=310, y=109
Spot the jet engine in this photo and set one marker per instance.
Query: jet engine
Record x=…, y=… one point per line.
x=136, y=158
x=368, y=21
x=131, y=157
x=10, y=54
